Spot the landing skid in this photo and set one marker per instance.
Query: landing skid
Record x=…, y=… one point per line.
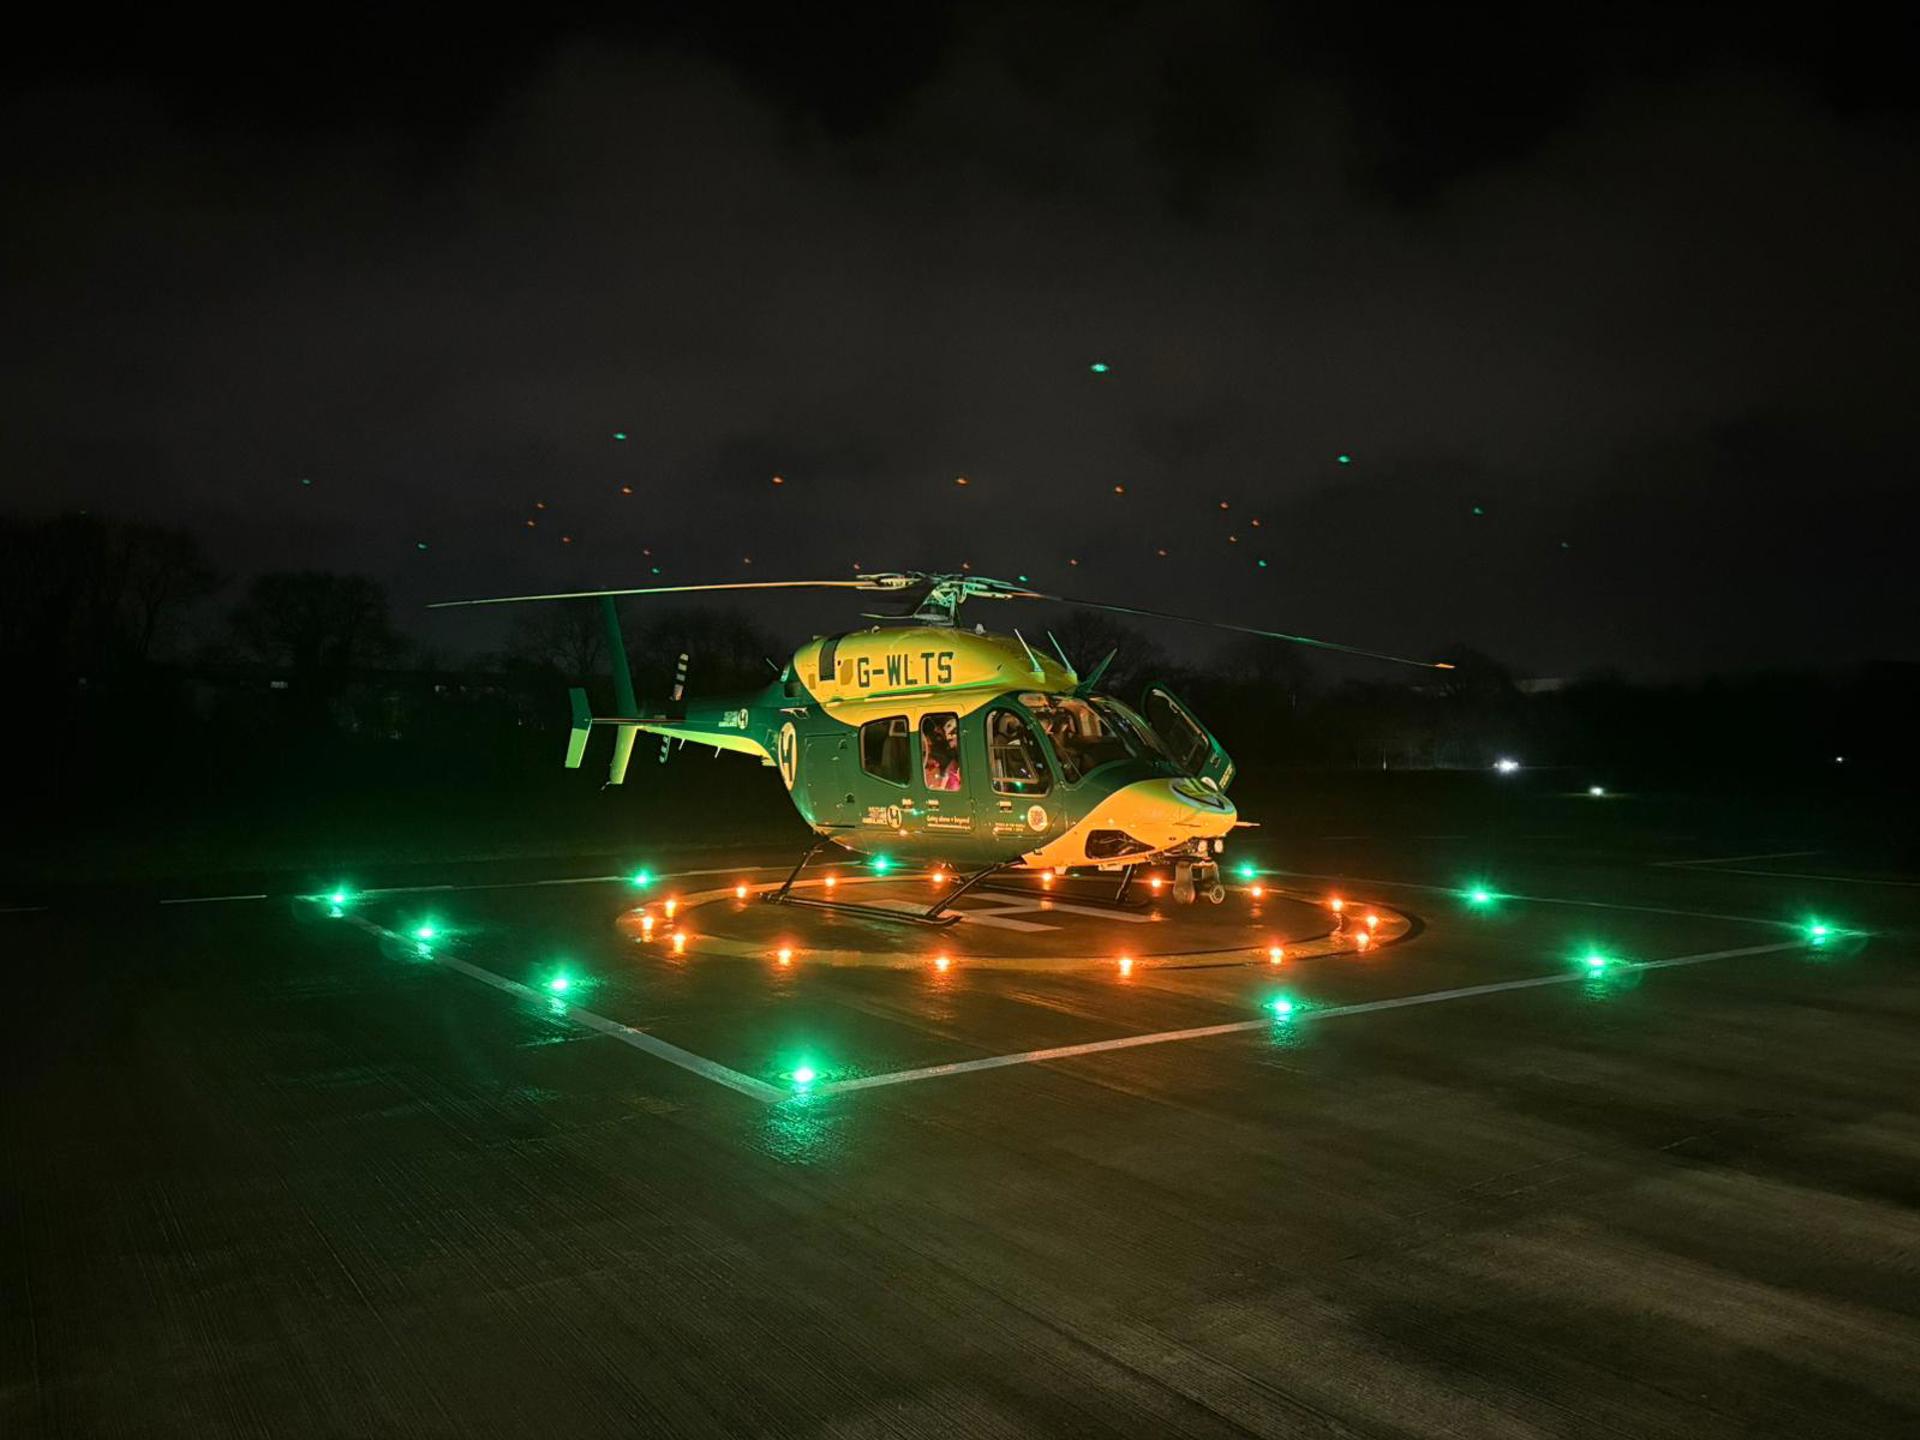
x=932, y=917
x=1116, y=901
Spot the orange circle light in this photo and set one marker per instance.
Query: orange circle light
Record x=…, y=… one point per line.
x=1126, y=966
x=740, y=891
x=831, y=881
x=679, y=942
x=1336, y=904
x=1362, y=939
x=943, y=963
x=1275, y=954
x=1373, y=921
x=786, y=955
x=1259, y=892
x=646, y=926
x=670, y=907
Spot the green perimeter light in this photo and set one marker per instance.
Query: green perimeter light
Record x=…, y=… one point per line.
x=804, y=1076
x=559, y=984
x=1818, y=931
x=1246, y=872
x=640, y=879
x=1479, y=895
x=880, y=864
x=1594, y=961
x=1099, y=367
x=1281, y=1006
x=425, y=932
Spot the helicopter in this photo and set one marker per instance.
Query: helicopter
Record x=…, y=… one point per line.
x=919, y=738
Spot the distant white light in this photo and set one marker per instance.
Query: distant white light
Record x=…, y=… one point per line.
x=1839, y=759
x=1596, y=789
x=1506, y=765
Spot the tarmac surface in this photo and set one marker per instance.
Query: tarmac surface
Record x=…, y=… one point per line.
x=272, y=1169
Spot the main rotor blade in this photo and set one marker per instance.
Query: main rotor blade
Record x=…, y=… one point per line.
x=1244, y=630
x=875, y=583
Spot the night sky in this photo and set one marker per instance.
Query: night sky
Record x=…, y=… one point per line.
x=1614, y=320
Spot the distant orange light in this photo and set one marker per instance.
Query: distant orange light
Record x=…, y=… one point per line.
x=1156, y=883
x=779, y=479
x=1362, y=939
x=938, y=877
x=943, y=963
x=831, y=881
x=785, y=954
x=1046, y=879
x=679, y=942
x=961, y=480
x=1259, y=892
x=740, y=891
x=1373, y=921
x=1126, y=966
x=1336, y=904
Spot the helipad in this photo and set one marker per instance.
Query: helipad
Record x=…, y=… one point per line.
x=1064, y=924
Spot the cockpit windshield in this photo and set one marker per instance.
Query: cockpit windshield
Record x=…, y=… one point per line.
x=1088, y=734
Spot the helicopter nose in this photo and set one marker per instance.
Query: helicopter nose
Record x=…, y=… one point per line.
x=1166, y=813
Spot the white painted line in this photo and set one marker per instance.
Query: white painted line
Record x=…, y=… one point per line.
x=1734, y=859
x=587, y=1019
x=1772, y=920
x=209, y=899
x=1164, y=1037
x=1835, y=879
x=569, y=880
x=21, y=909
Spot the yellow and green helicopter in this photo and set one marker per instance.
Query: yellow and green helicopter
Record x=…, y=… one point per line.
x=921, y=739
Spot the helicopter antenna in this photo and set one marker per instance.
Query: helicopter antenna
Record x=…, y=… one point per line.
x=1032, y=659
x=1061, y=651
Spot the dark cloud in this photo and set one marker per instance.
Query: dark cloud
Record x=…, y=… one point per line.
x=1656, y=309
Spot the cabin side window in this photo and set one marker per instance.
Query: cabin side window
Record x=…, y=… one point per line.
x=886, y=752
x=940, y=751
x=1013, y=751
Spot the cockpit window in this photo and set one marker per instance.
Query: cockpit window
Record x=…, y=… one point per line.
x=1019, y=765
x=1083, y=738
x=1087, y=734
